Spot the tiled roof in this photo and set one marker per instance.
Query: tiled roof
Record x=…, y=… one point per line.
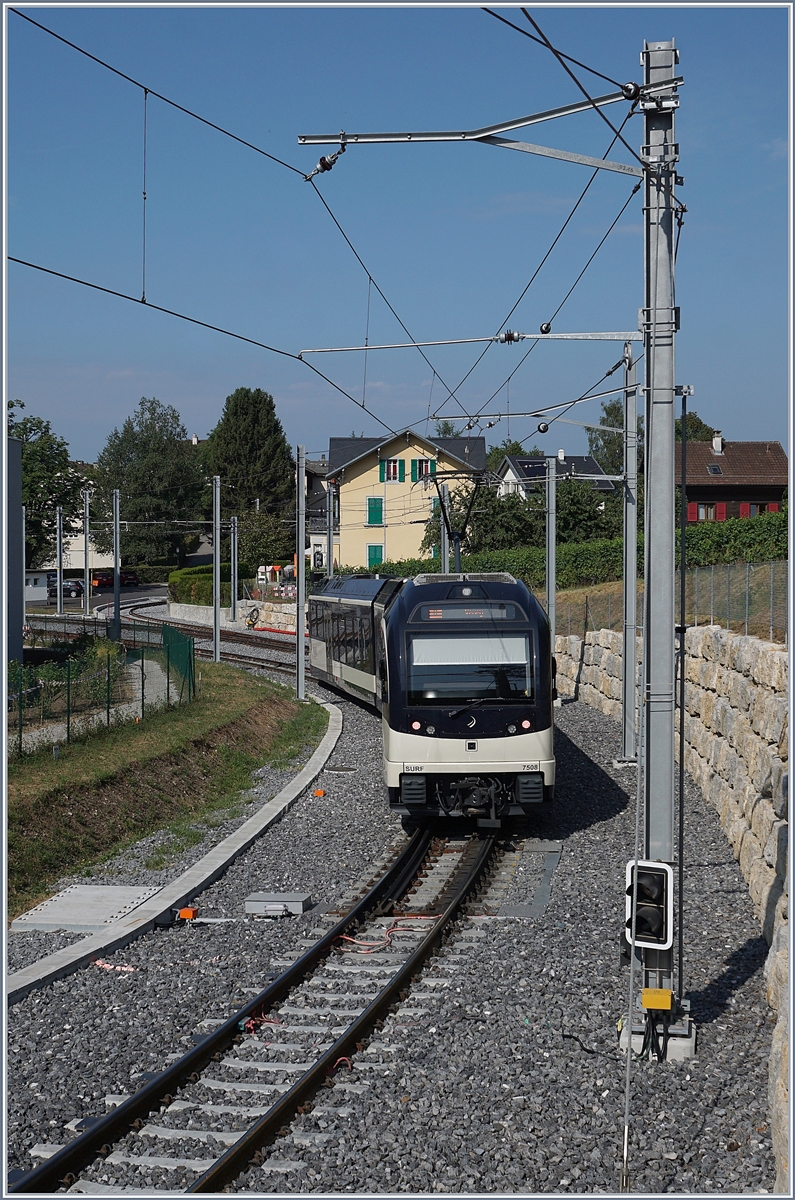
x=344, y=451
x=741, y=464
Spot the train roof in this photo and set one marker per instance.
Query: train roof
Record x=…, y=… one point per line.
x=362, y=586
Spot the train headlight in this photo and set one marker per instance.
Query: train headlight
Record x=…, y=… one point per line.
x=416, y=725
x=526, y=724
x=430, y=729
x=512, y=729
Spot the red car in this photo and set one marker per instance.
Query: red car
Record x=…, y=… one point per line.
x=128, y=579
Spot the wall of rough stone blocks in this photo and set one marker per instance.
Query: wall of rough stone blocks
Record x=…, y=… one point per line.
x=737, y=751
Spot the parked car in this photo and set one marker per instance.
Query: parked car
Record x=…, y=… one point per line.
x=102, y=579
x=71, y=587
x=128, y=579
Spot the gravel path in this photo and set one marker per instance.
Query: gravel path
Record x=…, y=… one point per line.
x=512, y=1082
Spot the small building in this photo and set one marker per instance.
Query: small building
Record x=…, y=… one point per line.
x=36, y=587
x=387, y=493
x=732, y=479
x=521, y=474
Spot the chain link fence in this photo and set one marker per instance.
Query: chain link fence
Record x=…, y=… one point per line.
x=748, y=598
x=101, y=683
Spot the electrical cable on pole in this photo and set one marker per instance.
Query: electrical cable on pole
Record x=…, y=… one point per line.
x=204, y=325
x=568, y=57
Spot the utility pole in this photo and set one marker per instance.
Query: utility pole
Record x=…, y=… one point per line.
x=300, y=572
x=444, y=501
x=329, y=527
x=86, y=568
x=233, y=556
x=629, y=664
x=59, y=559
x=216, y=568
x=659, y=321
x=25, y=568
x=116, y=624
x=552, y=522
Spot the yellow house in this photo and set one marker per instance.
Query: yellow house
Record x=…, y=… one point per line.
x=387, y=491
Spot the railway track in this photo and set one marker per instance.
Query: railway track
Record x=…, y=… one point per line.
x=223, y=1107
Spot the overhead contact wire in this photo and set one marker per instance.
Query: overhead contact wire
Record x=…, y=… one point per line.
x=533, y=38
x=532, y=278
x=101, y=62
x=204, y=325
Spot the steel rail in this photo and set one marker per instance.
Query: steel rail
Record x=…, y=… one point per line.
x=239, y=1156
x=61, y=1170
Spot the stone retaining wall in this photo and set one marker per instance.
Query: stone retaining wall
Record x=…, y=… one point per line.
x=271, y=616
x=737, y=751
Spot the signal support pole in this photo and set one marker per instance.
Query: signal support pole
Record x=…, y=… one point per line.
x=300, y=573
x=216, y=568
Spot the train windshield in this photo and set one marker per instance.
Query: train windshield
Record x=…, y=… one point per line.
x=482, y=665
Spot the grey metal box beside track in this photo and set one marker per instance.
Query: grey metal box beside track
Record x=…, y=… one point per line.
x=276, y=904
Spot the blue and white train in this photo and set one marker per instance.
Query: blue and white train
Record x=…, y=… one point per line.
x=461, y=669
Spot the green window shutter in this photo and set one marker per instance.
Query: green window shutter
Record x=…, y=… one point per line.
x=401, y=470
x=375, y=555
x=382, y=470
x=413, y=470
x=433, y=466
x=375, y=510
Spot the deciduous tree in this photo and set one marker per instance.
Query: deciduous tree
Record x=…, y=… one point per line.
x=158, y=474
x=49, y=480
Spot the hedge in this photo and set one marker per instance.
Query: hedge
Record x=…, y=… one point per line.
x=581, y=564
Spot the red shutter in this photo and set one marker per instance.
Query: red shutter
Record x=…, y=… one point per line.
x=720, y=512
x=773, y=507
x=692, y=512
x=745, y=509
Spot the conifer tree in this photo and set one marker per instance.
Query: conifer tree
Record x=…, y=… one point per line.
x=249, y=451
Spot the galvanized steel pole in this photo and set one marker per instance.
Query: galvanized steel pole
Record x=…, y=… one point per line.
x=216, y=568
x=629, y=664
x=59, y=559
x=552, y=480
x=116, y=623
x=659, y=325
x=329, y=527
x=233, y=556
x=444, y=547
x=86, y=568
x=300, y=572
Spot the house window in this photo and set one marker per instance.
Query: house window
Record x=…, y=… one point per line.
x=421, y=467
x=712, y=512
x=375, y=556
x=375, y=510
x=392, y=470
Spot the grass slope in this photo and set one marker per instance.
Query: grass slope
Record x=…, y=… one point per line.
x=175, y=770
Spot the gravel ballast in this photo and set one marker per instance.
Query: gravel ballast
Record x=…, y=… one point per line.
x=511, y=1081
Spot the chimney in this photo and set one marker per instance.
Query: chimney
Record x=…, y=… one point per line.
x=717, y=442
x=195, y=439
x=562, y=455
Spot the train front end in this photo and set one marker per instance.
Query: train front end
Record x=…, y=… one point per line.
x=467, y=687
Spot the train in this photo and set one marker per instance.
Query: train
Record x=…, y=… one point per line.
x=460, y=667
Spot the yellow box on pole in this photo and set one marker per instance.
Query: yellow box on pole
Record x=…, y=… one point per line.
x=658, y=999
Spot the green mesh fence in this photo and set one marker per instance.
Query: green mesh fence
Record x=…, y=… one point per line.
x=102, y=682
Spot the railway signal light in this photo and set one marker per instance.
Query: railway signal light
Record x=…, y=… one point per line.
x=653, y=897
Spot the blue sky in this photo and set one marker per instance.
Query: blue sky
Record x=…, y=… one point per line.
x=451, y=233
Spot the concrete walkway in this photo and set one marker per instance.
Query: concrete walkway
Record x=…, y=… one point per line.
x=185, y=888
